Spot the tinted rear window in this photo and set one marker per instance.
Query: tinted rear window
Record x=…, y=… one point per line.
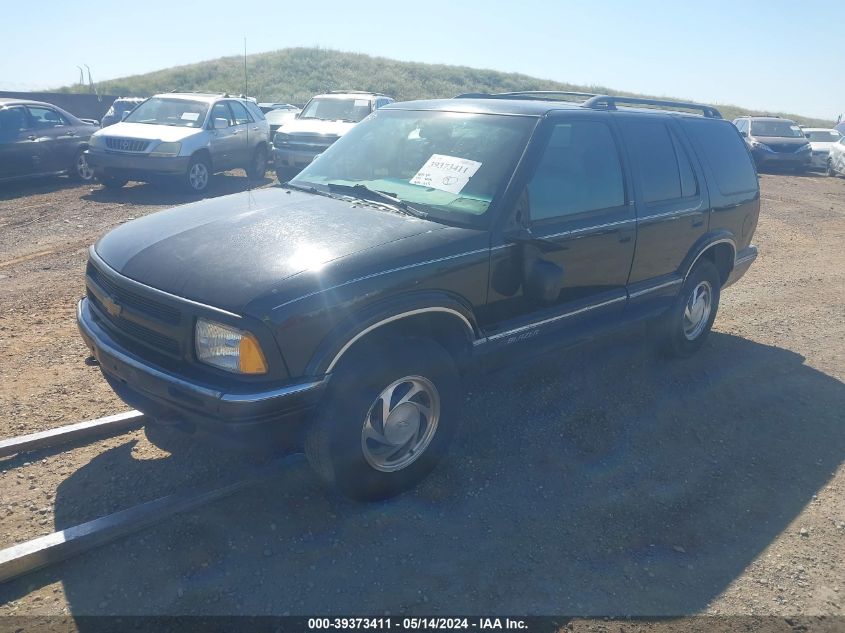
x=653, y=152
x=725, y=152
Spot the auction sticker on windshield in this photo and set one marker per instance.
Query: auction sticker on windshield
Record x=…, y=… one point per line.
x=190, y=116
x=446, y=173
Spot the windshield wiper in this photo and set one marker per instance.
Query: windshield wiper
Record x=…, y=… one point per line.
x=308, y=189
x=363, y=192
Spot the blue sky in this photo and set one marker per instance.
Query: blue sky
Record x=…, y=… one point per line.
x=770, y=55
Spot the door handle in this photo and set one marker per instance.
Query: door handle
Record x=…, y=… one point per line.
x=32, y=137
x=235, y=132
x=256, y=128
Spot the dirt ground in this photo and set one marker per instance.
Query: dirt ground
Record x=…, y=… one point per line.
x=597, y=481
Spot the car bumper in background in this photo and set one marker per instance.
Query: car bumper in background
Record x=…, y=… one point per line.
x=782, y=159
x=819, y=159
x=295, y=158
x=134, y=167
x=172, y=399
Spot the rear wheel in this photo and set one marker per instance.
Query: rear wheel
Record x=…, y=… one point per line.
x=830, y=170
x=684, y=328
x=388, y=419
x=198, y=175
x=80, y=170
x=258, y=166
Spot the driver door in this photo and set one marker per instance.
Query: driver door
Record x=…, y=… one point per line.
x=224, y=140
x=565, y=261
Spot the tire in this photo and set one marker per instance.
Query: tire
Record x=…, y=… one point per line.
x=684, y=329
x=111, y=182
x=198, y=175
x=283, y=174
x=340, y=445
x=830, y=171
x=80, y=170
x=258, y=167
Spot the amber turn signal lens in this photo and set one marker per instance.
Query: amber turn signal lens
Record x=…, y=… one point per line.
x=251, y=359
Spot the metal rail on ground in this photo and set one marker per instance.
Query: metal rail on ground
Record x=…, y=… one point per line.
x=110, y=425
x=21, y=559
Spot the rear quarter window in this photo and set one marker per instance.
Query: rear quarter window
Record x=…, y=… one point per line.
x=725, y=153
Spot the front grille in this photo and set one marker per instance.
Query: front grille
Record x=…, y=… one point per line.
x=135, y=331
x=309, y=141
x=124, y=296
x=126, y=144
x=784, y=148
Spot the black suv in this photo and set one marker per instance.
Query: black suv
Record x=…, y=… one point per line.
x=341, y=309
x=775, y=142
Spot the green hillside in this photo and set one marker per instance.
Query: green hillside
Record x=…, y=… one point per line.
x=295, y=74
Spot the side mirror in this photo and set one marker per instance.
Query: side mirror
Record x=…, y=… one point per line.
x=743, y=134
x=124, y=114
x=220, y=123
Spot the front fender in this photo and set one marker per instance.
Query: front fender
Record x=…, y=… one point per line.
x=391, y=310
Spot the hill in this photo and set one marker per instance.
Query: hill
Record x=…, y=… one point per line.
x=295, y=74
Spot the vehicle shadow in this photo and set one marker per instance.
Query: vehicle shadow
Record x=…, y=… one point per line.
x=169, y=192
x=599, y=481
x=37, y=185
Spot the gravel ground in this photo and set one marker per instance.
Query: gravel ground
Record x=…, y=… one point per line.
x=599, y=481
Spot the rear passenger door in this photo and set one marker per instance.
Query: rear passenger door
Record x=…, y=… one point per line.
x=243, y=147
x=21, y=151
x=672, y=206
x=580, y=238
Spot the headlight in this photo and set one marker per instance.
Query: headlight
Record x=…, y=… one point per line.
x=280, y=138
x=96, y=141
x=166, y=149
x=228, y=348
x=759, y=145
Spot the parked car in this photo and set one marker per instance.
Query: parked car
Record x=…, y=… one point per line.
x=343, y=309
x=836, y=158
x=840, y=127
x=39, y=139
x=323, y=120
x=189, y=136
x=267, y=107
x=119, y=108
x=277, y=117
x=775, y=142
x=821, y=140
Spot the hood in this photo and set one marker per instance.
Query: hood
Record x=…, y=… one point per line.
x=785, y=141
x=166, y=133
x=225, y=252
x=316, y=126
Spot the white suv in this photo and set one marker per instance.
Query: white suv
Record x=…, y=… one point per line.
x=323, y=120
x=189, y=136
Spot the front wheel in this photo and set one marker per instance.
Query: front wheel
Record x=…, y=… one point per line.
x=81, y=171
x=830, y=170
x=684, y=328
x=388, y=419
x=198, y=175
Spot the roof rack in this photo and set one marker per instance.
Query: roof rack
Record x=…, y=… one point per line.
x=542, y=95
x=594, y=101
x=354, y=92
x=606, y=102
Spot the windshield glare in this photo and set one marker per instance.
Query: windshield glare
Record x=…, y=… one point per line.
x=331, y=109
x=824, y=136
x=176, y=112
x=783, y=129
x=451, y=165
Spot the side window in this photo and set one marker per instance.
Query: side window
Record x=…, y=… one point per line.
x=689, y=185
x=46, y=117
x=579, y=171
x=12, y=121
x=241, y=115
x=653, y=151
x=221, y=111
x=726, y=154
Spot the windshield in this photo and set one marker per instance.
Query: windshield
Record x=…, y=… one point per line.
x=450, y=165
x=824, y=136
x=163, y=111
x=783, y=129
x=333, y=109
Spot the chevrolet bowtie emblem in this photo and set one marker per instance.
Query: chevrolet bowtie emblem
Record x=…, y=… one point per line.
x=112, y=306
